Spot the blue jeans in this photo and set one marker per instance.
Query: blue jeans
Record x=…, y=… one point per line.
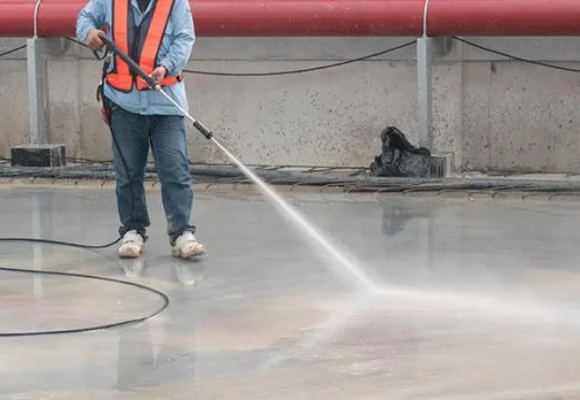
x=166, y=135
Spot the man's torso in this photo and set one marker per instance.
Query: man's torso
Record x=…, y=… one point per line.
x=146, y=102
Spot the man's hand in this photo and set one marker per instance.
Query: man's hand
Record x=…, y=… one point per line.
x=93, y=39
x=159, y=74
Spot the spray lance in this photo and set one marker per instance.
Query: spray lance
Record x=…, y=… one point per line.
x=111, y=46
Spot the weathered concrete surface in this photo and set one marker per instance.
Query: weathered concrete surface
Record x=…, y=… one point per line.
x=14, y=105
x=478, y=300
x=490, y=113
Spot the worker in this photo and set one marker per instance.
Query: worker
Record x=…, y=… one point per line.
x=159, y=36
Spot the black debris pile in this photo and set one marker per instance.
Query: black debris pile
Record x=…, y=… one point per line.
x=399, y=158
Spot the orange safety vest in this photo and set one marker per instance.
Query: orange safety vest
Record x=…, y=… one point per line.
x=121, y=77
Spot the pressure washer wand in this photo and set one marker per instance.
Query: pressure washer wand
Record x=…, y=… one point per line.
x=153, y=85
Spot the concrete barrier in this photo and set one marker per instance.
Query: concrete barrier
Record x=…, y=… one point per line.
x=492, y=114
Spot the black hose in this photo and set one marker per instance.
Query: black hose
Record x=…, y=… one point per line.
x=14, y=50
x=131, y=321
x=61, y=243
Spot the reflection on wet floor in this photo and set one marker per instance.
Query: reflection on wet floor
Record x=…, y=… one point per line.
x=478, y=300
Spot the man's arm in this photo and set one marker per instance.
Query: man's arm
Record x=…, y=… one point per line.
x=183, y=39
x=89, y=22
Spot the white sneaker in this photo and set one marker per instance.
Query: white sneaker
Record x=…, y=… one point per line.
x=187, y=246
x=132, y=245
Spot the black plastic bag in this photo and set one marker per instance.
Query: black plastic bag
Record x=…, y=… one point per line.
x=399, y=158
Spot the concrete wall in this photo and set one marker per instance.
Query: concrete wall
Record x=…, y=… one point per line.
x=491, y=113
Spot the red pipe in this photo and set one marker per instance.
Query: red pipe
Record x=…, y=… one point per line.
x=504, y=18
x=251, y=18
x=330, y=17
x=277, y=18
x=16, y=19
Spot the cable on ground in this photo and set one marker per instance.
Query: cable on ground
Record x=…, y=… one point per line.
x=101, y=327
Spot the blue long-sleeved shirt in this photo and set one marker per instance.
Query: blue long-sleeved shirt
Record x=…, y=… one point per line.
x=175, y=50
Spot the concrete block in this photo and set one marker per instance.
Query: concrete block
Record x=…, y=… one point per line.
x=475, y=123
x=63, y=106
x=550, y=49
x=534, y=118
x=327, y=118
x=14, y=125
x=51, y=155
x=7, y=44
x=311, y=49
x=500, y=115
x=447, y=108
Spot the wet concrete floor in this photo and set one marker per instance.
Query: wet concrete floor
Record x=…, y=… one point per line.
x=475, y=300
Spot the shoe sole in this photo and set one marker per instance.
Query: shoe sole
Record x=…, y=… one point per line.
x=175, y=252
x=132, y=255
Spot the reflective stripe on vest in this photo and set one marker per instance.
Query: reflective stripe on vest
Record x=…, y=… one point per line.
x=122, y=78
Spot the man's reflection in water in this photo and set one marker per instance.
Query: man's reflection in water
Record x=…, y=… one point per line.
x=161, y=351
